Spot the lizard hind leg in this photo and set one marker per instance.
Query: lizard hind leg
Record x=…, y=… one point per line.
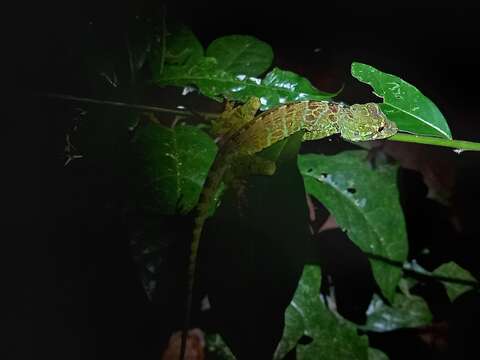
x=242, y=167
x=233, y=118
x=246, y=165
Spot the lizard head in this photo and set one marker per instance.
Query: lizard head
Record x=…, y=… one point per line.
x=365, y=122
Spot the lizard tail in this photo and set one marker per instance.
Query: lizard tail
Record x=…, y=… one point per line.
x=212, y=183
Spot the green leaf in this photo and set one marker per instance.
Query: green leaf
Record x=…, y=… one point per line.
x=171, y=166
x=217, y=349
x=241, y=54
x=403, y=103
x=375, y=354
x=455, y=272
x=276, y=88
x=365, y=203
x=179, y=46
x=405, y=312
x=307, y=315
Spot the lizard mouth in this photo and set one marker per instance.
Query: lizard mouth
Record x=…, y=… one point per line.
x=386, y=130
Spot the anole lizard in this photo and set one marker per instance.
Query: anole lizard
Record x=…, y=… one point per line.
x=244, y=135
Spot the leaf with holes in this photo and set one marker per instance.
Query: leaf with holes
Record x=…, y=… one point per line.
x=454, y=272
x=403, y=103
x=171, y=166
x=307, y=316
x=241, y=54
x=365, y=204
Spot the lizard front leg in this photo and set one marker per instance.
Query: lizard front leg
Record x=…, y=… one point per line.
x=234, y=118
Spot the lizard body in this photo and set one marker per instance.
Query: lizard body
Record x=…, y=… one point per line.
x=317, y=119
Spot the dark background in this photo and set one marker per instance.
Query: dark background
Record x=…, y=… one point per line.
x=75, y=292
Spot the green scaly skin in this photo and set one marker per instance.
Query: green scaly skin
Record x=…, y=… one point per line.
x=246, y=135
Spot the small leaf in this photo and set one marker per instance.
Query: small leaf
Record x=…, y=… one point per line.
x=172, y=165
x=455, y=272
x=371, y=215
x=276, y=88
x=375, y=354
x=405, y=312
x=241, y=54
x=307, y=315
x=403, y=103
x=217, y=348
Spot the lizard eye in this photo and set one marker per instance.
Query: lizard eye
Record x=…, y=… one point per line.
x=380, y=129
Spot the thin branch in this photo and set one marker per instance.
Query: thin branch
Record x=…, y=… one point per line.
x=421, y=274
x=459, y=145
x=163, y=39
x=130, y=59
x=130, y=106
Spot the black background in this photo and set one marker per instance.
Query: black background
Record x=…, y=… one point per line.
x=71, y=298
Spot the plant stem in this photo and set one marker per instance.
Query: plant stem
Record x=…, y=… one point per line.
x=130, y=106
x=460, y=145
x=163, y=39
x=456, y=144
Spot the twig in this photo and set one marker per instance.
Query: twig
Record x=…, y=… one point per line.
x=128, y=105
x=459, y=145
x=422, y=274
x=163, y=39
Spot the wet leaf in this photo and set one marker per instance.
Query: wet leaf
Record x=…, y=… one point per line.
x=307, y=315
x=171, y=166
x=241, y=54
x=403, y=103
x=455, y=272
x=405, y=312
x=276, y=88
x=365, y=204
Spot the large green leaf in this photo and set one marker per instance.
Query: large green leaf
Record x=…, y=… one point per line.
x=307, y=315
x=403, y=103
x=365, y=203
x=405, y=312
x=241, y=54
x=454, y=272
x=212, y=80
x=171, y=166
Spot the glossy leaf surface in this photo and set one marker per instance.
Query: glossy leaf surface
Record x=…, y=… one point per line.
x=241, y=54
x=172, y=165
x=365, y=204
x=405, y=312
x=277, y=87
x=307, y=315
x=455, y=272
x=403, y=103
